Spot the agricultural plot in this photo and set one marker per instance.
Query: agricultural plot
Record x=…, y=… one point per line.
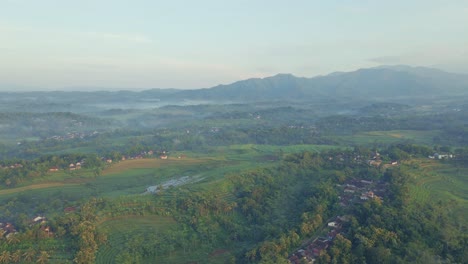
x=119, y=230
x=130, y=233
x=392, y=136
x=437, y=181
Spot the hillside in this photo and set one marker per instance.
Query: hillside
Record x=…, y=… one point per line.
x=385, y=82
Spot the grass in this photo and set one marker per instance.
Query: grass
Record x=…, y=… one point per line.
x=392, y=136
x=32, y=187
x=150, y=164
x=120, y=229
x=433, y=180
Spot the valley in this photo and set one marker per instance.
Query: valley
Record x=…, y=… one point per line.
x=252, y=172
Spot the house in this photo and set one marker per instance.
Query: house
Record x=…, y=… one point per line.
x=366, y=182
x=78, y=165
x=320, y=247
x=332, y=224
x=368, y=195
x=443, y=156
x=332, y=234
x=164, y=157
x=54, y=169
x=8, y=229
x=72, y=166
x=39, y=219
x=375, y=163
x=109, y=161
x=69, y=209
x=47, y=231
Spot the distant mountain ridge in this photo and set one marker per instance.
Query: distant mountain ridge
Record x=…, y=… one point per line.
x=379, y=82
x=382, y=83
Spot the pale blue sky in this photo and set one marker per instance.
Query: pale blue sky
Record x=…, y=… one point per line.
x=115, y=44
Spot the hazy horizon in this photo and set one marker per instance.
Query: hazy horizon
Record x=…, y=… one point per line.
x=136, y=89
x=138, y=45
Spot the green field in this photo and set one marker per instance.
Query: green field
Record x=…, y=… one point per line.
x=120, y=229
x=123, y=232
x=433, y=180
x=391, y=136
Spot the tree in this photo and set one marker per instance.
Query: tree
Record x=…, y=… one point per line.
x=29, y=255
x=16, y=256
x=341, y=250
x=5, y=257
x=13, y=239
x=43, y=257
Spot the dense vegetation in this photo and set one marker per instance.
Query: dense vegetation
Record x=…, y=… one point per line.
x=231, y=183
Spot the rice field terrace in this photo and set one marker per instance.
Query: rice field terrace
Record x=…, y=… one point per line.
x=120, y=230
x=436, y=180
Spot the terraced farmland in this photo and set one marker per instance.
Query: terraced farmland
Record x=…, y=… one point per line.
x=120, y=229
x=438, y=181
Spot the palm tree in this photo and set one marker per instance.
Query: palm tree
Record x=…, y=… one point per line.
x=5, y=257
x=16, y=256
x=43, y=257
x=12, y=239
x=29, y=255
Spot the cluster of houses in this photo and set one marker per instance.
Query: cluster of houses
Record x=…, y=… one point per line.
x=41, y=221
x=312, y=250
x=442, y=156
x=142, y=155
x=7, y=229
x=352, y=191
x=376, y=161
x=71, y=167
x=13, y=166
x=359, y=190
x=73, y=135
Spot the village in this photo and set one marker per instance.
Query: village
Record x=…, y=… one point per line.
x=352, y=192
x=8, y=230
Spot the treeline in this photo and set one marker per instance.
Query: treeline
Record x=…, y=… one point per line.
x=15, y=172
x=452, y=124
x=43, y=125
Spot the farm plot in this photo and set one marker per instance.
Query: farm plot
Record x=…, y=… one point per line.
x=121, y=229
x=437, y=181
x=392, y=136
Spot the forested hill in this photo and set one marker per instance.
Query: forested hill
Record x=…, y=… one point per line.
x=385, y=82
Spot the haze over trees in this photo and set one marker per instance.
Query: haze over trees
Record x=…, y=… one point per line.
x=366, y=166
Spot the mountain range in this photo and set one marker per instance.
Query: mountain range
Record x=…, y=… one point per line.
x=383, y=82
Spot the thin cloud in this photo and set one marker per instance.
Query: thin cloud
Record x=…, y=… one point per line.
x=137, y=38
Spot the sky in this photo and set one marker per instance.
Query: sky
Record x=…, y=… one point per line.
x=142, y=44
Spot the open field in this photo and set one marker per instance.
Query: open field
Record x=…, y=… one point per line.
x=131, y=230
x=120, y=230
x=129, y=178
x=33, y=187
x=126, y=169
x=151, y=163
x=392, y=136
x=438, y=181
